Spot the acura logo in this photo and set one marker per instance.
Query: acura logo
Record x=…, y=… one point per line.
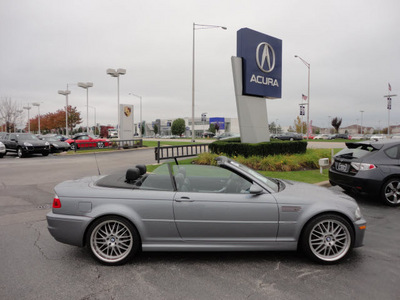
x=265, y=56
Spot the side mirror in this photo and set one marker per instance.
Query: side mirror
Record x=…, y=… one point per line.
x=256, y=189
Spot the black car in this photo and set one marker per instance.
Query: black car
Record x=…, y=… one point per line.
x=55, y=144
x=371, y=167
x=289, y=136
x=25, y=143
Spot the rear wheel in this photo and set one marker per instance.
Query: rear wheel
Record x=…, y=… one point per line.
x=45, y=153
x=327, y=239
x=74, y=146
x=390, y=193
x=100, y=145
x=113, y=240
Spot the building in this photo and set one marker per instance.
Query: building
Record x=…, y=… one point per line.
x=201, y=125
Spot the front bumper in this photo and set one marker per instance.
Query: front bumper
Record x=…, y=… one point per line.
x=359, y=232
x=68, y=229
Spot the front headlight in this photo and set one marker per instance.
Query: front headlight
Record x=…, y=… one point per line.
x=47, y=144
x=358, y=214
x=26, y=144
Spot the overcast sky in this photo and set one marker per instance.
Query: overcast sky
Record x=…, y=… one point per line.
x=353, y=48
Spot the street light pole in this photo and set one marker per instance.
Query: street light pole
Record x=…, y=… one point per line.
x=65, y=93
x=140, y=128
x=196, y=27
x=86, y=86
x=38, y=105
x=117, y=73
x=308, y=106
x=361, y=111
x=29, y=121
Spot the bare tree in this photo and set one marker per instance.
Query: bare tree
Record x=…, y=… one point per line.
x=336, y=122
x=10, y=113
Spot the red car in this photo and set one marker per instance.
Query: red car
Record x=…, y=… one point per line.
x=87, y=141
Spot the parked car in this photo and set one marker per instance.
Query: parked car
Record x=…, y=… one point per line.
x=202, y=208
x=370, y=167
x=208, y=134
x=289, y=136
x=2, y=150
x=322, y=137
x=87, y=141
x=227, y=135
x=25, y=143
x=55, y=144
x=377, y=137
x=343, y=136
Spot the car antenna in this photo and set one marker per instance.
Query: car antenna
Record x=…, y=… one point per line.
x=97, y=164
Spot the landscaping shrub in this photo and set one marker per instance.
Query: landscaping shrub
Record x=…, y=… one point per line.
x=233, y=147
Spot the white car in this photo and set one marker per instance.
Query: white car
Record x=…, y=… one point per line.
x=2, y=150
x=321, y=137
x=377, y=137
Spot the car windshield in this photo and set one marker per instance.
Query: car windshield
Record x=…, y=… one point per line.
x=50, y=139
x=273, y=184
x=27, y=137
x=358, y=152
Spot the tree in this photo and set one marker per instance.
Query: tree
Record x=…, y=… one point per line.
x=178, y=127
x=212, y=128
x=336, y=122
x=300, y=126
x=155, y=128
x=10, y=113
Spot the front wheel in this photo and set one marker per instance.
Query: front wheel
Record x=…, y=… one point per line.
x=113, y=240
x=327, y=239
x=100, y=145
x=390, y=193
x=45, y=153
x=74, y=147
x=20, y=152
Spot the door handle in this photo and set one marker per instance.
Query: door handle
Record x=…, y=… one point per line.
x=184, y=199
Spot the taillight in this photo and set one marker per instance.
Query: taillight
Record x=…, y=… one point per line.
x=56, y=202
x=363, y=166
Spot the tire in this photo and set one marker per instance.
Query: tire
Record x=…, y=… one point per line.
x=45, y=153
x=327, y=239
x=390, y=194
x=20, y=153
x=291, y=139
x=100, y=145
x=113, y=240
x=73, y=145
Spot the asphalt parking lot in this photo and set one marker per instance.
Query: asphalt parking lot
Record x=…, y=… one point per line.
x=35, y=266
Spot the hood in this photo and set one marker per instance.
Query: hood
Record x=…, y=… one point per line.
x=299, y=193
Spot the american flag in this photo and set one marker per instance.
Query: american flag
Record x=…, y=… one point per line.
x=390, y=87
x=304, y=97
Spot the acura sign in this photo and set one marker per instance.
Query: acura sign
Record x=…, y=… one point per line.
x=262, y=63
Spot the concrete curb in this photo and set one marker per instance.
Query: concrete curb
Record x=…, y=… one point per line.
x=323, y=183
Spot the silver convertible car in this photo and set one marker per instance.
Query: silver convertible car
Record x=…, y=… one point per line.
x=228, y=207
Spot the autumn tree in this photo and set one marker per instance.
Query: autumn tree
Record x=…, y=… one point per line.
x=300, y=126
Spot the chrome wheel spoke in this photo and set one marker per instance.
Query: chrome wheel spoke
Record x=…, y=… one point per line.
x=329, y=240
x=111, y=241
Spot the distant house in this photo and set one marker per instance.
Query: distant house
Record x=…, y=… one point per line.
x=356, y=129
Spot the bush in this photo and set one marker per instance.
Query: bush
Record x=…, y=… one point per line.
x=233, y=147
x=293, y=162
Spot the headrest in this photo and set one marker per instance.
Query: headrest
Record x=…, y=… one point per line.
x=132, y=174
x=142, y=169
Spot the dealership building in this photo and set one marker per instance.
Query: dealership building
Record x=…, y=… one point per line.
x=201, y=125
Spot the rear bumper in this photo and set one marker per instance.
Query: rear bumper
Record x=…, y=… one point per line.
x=369, y=182
x=68, y=229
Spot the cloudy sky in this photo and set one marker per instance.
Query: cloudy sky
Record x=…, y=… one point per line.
x=353, y=47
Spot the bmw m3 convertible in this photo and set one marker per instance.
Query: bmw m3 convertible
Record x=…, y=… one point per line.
x=227, y=207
